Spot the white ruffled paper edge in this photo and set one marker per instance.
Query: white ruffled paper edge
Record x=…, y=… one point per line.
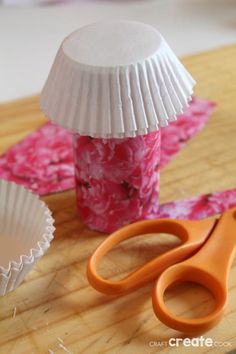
x=117, y=102
x=20, y=202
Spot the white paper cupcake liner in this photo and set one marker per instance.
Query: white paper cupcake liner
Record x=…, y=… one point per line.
x=116, y=101
x=24, y=219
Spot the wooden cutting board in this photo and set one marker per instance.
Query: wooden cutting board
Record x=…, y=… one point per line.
x=55, y=308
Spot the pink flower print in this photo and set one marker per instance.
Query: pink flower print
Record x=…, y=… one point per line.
x=117, y=180
x=43, y=161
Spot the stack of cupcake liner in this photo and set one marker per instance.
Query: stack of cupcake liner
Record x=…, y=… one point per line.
x=125, y=96
x=26, y=228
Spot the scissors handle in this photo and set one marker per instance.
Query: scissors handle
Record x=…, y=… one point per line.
x=208, y=267
x=192, y=234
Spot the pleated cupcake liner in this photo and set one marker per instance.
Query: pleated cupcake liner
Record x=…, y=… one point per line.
x=27, y=220
x=117, y=102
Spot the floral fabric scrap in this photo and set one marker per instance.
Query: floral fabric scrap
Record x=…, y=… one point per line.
x=199, y=207
x=43, y=161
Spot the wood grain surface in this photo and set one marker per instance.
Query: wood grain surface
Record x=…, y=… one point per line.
x=56, y=309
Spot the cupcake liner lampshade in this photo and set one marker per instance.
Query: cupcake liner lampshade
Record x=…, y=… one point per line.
x=114, y=84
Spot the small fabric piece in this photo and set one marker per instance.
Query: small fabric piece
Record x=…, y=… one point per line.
x=176, y=135
x=199, y=207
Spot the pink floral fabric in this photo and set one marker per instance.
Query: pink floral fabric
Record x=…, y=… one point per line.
x=117, y=180
x=127, y=169
x=199, y=207
x=43, y=161
x=175, y=136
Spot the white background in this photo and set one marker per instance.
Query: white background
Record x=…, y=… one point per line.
x=30, y=36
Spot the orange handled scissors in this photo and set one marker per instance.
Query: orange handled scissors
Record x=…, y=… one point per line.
x=204, y=257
